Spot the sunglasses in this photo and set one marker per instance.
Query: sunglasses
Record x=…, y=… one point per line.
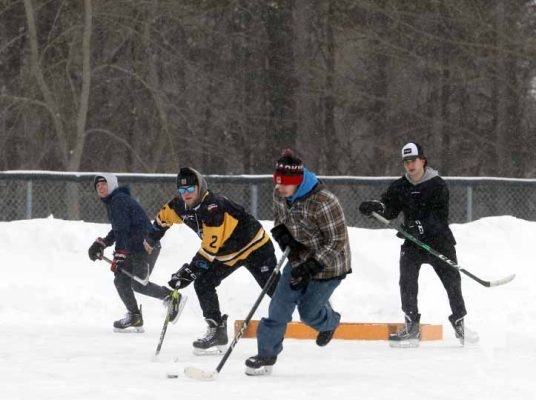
x=189, y=189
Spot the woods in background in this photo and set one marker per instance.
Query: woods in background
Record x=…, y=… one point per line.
x=223, y=85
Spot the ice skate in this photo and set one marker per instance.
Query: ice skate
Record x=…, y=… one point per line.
x=324, y=337
x=257, y=365
x=409, y=336
x=463, y=333
x=131, y=323
x=175, y=303
x=215, y=340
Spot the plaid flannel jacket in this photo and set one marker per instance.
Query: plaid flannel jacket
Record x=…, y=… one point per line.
x=317, y=221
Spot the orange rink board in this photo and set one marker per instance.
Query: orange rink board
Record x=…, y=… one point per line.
x=346, y=330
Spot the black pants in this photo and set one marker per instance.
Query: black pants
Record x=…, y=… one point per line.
x=260, y=264
x=411, y=259
x=139, y=264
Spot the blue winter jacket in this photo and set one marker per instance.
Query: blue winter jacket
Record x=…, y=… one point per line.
x=129, y=222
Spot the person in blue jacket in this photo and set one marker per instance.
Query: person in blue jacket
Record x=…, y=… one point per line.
x=130, y=225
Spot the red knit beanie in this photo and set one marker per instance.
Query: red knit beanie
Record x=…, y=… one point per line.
x=288, y=169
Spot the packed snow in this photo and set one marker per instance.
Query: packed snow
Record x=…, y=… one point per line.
x=57, y=309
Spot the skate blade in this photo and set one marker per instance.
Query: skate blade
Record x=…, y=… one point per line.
x=211, y=351
x=130, y=329
x=265, y=370
x=404, y=344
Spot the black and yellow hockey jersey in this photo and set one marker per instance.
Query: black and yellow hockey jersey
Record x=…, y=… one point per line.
x=228, y=233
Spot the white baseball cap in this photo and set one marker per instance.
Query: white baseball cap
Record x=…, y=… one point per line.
x=411, y=151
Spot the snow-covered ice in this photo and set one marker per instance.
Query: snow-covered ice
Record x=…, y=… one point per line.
x=57, y=308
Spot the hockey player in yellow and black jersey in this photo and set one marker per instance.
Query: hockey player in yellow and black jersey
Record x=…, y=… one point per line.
x=230, y=238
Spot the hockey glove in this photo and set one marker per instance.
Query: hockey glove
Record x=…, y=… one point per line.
x=182, y=278
x=303, y=273
x=120, y=257
x=96, y=250
x=414, y=228
x=284, y=239
x=368, y=207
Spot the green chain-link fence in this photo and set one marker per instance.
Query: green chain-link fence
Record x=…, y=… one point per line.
x=25, y=195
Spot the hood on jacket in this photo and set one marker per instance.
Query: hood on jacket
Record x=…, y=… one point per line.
x=109, y=178
x=188, y=177
x=429, y=173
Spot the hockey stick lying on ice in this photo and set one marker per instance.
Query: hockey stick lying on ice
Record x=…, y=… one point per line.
x=424, y=246
x=144, y=282
x=201, y=375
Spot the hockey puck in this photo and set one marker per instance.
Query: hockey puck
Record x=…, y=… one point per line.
x=171, y=375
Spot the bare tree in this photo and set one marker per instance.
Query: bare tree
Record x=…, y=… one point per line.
x=223, y=85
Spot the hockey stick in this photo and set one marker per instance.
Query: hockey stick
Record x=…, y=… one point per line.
x=144, y=282
x=203, y=375
x=424, y=246
x=181, y=301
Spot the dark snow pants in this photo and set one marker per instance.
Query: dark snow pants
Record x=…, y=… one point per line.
x=139, y=264
x=260, y=264
x=411, y=259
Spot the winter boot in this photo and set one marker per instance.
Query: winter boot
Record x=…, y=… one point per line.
x=214, y=340
x=463, y=333
x=409, y=336
x=174, y=303
x=258, y=365
x=324, y=337
x=132, y=322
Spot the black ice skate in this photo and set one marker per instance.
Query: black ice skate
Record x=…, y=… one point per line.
x=215, y=339
x=463, y=333
x=324, y=337
x=409, y=336
x=175, y=303
x=132, y=322
x=258, y=365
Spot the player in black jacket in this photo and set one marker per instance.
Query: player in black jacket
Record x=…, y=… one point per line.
x=230, y=238
x=423, y=198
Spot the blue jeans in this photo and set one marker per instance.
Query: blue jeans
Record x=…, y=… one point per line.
x=313, y=307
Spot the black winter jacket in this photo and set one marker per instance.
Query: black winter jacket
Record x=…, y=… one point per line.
x=426, y=202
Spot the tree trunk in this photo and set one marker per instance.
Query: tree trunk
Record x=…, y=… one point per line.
x=38, y=75
x=281, y=74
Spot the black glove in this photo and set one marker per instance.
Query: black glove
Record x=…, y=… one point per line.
x=414, y=228
x=96, y=250
x=183, y=277
x=284, y=239
x=120, y=257
x=303, y=273
x=368, y=207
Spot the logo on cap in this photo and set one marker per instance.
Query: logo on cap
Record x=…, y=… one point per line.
x=411, y=150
